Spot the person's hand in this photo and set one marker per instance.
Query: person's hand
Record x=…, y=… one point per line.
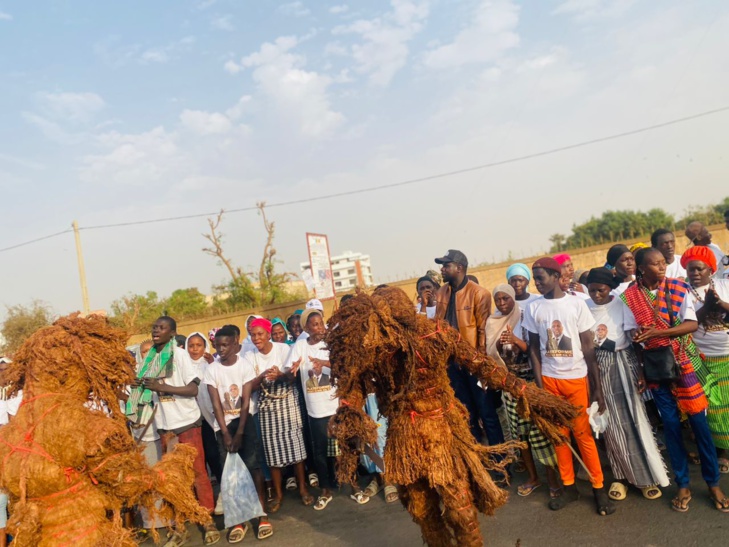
x=427, y=297
x=236, y=441
x=317, y=365
x=295, y=366
x=227, y=439
x=137, y=382
x=600, y=398
x=273, y=374
x=646, y=333
x=209, y=358
x=153, y=385
x=641, y=384
x=577, y=287
x=712, y=298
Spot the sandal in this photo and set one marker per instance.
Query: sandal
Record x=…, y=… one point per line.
x=602, y=502
x=307, y=499
x=568, y=495
x=274, y=505
x=519, y=466
x=651, y=492
x=693, y=458
x=360, y=497
x=265, y=529
x=322, y=502
x=178, y=539
x=391, y=493
x=313, y=480
x=237, y=533
x=291, y=483
x=681, y=504
x=618, y=491
x=372, y=488
x=211, y=535
x=525, y=489
x=723, y=465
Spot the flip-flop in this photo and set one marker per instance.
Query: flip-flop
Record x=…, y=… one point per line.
x=651, y=492
x=519, y=466
x=360, y=497
x=618, y=491
x=525, y=489
x=694, y=458
x=211, y=535
x=723, y=465
x=274, y=505
x=322, y=502
x=681, y=504
x=237, y=533
x=391, y=493
x=177, y=539
x=372, y=488
x=265, y=530
x=291, y=483
x=313, y=480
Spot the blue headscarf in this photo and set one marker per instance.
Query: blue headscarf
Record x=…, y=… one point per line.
x=519, y=269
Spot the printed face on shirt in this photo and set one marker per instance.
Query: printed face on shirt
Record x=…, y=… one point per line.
x=601, y=332
x=557, y=328
x=234, y=391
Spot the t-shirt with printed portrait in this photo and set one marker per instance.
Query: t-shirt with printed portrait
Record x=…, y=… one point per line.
x=228, y=381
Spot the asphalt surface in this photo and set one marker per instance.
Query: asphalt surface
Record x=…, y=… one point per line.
x=522, y=521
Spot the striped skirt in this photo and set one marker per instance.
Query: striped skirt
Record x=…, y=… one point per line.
x=629, y=439
x=281, y=426
x=718, y=415
x=525, y=430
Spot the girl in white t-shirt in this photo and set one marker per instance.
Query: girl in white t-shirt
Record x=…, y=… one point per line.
x=631, y=447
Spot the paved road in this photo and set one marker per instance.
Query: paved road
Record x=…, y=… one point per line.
x=637, y=522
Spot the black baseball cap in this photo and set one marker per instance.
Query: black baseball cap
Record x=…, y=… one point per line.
x=453, y=256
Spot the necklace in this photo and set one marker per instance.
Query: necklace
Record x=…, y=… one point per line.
x=698, y=297
x=263, y=383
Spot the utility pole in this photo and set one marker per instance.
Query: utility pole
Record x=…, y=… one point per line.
x=81, y=269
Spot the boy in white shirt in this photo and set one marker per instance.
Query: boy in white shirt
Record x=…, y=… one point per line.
x=562, y=353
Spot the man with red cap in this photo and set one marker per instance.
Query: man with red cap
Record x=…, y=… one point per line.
x=563, y=368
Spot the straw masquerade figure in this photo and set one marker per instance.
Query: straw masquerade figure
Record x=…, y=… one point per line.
x=379, y=345
x=68, y=460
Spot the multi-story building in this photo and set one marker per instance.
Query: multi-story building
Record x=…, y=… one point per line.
x=349, y=270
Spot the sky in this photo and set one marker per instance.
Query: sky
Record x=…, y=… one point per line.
x=117, y=112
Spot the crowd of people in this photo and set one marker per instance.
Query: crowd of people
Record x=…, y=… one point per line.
x=639, y=343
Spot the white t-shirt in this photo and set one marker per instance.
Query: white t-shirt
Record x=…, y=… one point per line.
x=203, y=397
x=177, y=411
x=713, y=340
x=9, y=405
x=319, y=391
x=229, y=381
x=721, y=271
x=687, y=312
x=524, y=303
x=429, y=310
x=675, y=270
x=559, y=322
x=258, y=362
x=609, y=330
x=581, y=295
x=620, y=289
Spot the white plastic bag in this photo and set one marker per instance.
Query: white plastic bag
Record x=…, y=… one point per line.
x=599, y=422
x=240, y=499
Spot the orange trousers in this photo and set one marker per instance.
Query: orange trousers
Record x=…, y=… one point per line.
x=576, y=392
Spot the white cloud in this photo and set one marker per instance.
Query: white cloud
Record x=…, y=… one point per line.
x=205, y=123
x=384, y=48
x=491, y=31
x=134, y=159
x=298, y=94
x=70, y=107
x=593, y=9
x=5, y=16
x=294, y=9
x=113, y=53
x=342, y=8
x=224, y=22
x=155, y=56
x=232, y=67
x=236, y=111
x=205, y=4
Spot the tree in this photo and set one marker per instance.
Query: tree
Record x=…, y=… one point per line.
x=558, y=242
x=186, y=304
x=136, y=312
x=21, y=322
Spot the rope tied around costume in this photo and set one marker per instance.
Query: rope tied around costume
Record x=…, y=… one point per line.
x=434, y=414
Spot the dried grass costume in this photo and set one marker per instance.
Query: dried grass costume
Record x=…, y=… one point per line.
x=379, y=345
x=69, y=469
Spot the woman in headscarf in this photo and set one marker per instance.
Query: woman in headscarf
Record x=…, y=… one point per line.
x=519, y=275
x=568, y=273
x=632, y=450
x=711, y=298
x=665, y=316
x=279, y=332
x=506, y=342
x=622, y=262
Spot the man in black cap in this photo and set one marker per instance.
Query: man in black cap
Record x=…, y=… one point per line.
x=466, y=306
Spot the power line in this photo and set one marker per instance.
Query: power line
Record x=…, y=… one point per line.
x=401, y=183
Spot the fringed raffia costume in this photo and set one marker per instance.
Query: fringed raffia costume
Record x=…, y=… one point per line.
x=378, y=344
x=69, y=466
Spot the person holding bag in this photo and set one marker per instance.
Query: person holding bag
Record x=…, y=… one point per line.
x=665, y=317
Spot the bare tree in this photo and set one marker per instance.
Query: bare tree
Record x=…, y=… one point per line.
x=216, y=238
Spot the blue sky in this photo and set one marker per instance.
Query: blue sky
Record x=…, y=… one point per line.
x=116, y=112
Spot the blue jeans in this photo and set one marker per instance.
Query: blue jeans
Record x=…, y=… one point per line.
x=479, y=406
x=674, y=440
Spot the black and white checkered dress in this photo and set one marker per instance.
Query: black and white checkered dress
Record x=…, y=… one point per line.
x=281, y=425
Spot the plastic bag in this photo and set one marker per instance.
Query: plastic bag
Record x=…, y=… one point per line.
x=240, y=499
x=599, y=422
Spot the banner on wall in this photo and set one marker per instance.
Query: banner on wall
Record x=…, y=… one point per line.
x=321, y=266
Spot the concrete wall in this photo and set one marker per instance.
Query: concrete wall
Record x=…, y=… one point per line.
x=488, y=276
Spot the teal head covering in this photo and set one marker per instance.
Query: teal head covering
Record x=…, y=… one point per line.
x=279, y=321
x=519, y=269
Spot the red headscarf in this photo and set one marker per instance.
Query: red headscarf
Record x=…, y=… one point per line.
x=265, y=324
x=562, y=258
x=699, y=252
